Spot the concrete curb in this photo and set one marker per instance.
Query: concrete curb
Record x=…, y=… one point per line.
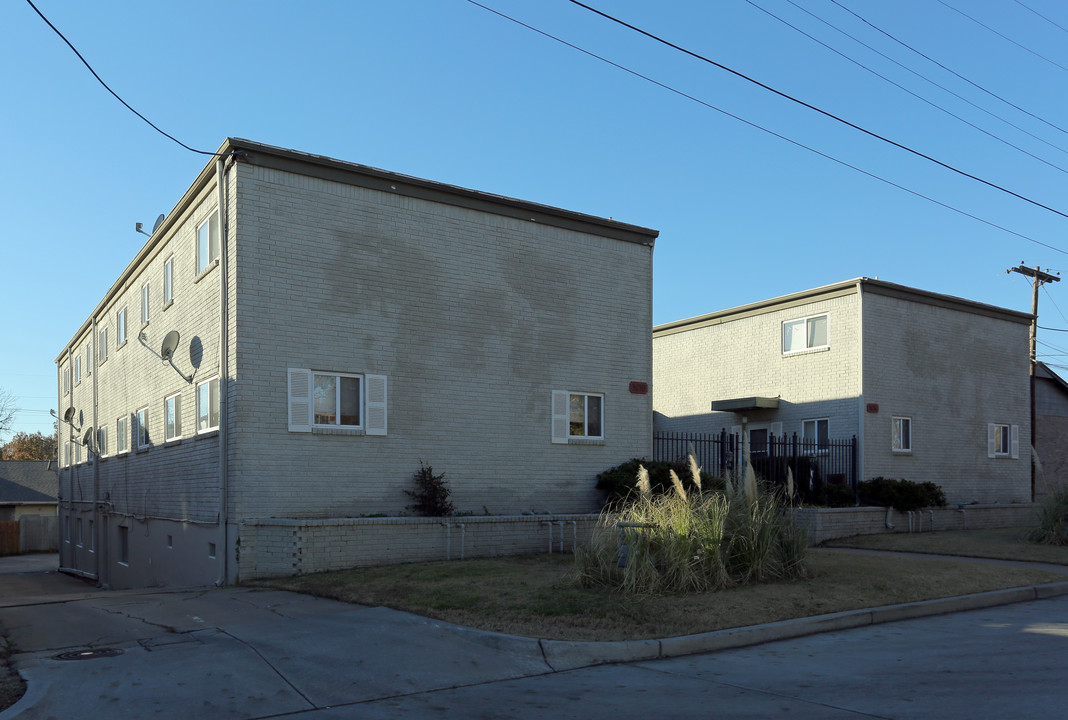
x=567, y=655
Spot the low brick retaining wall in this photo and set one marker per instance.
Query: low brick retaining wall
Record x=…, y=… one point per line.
x=278, y=546
x=829, y=523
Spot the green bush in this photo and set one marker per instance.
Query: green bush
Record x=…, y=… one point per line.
x=620, y=482
x=1051, y=521
x=837, y=495
x=431, y=494
x=902, y=495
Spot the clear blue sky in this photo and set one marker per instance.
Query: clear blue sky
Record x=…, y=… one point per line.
x=445, y=90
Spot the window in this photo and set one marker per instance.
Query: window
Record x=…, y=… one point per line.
x=208, y=405
x=102, y=440
x=144, y=304
x=66, y=380
x=102, y=345
x=804, y=333
x=322, y=401
x=124, y=545
x=88, y=359
x=120, y=328
x=143, y=438
x=122, y=435
x=816, y=434
x=1002, y=441
x=77, y=369
x=577, y=416
x=77, y=452
x=78, y=532
x=902, y=435
x=172, y=417
x=92, y=537
x=207, y=242
x=168, y=281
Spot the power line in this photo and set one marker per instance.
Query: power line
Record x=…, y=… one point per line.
x=1003, y=36
x=905, y=89
x=923, y=77
x=1036, y=12
x=825, y=113
x=116, y=95
x=755, y=126
x=947, y=69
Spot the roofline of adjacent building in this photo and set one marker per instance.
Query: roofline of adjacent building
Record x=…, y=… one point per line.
x=319, y=166
x=841, y=289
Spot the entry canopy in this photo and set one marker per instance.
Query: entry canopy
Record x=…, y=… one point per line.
x=746, y=403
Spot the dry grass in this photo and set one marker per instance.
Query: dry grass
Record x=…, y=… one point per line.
x=534, y=596
x=1002, y=544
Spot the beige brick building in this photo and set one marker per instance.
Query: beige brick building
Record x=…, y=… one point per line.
x=336, y=325
x=934, y=388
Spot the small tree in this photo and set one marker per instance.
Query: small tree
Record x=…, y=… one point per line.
x=431, y=494
x=24, y=446
x=7, y=411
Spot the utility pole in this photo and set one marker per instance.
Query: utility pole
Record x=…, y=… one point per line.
x=1038, y=276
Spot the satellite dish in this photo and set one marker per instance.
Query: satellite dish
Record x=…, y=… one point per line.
x=170, y=343
x=159, y=221
x=87, y=437
x=68, y=414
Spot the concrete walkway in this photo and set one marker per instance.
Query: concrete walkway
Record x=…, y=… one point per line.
x=246, y=653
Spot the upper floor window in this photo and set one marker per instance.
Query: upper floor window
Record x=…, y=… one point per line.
x=172, y=417
x=208, y=405
x=89, y=358
x=102, y=345
x=207, y=242
x=337, y=399
x=168, y=281
x=804, y=333
x=901, y=434
x=120, y=327
x=66, y=380
x=122, y=435
x=144, y=304
x=324, y=400
x=77, y=369
x=143, y=438
x=102, y=440
x=1002, y=440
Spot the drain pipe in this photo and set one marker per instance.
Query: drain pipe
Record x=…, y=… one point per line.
x=550, y=536
x=932, y=519
x=463, y=538
x=561, y=524
x=889, y=512
x=224, y=369
x=448, y=540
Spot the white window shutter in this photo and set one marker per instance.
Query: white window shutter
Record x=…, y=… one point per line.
x=991, y=440
x=376, y=421
x=1016, y=441
x=300, y=400
x=561, y=412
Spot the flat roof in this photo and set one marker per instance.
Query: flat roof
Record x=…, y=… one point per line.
x=841, y=289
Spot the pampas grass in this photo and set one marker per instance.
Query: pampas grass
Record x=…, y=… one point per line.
x=679, y=490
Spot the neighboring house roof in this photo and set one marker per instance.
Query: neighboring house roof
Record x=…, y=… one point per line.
x=1042, y=371
x=248, y=152
x=847, y=287
x=28, y=481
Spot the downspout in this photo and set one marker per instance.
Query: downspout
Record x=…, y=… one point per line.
x=93, y=340
x=224, y=369
x=861, y=406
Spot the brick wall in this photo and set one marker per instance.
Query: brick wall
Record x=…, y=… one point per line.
x=279, y=547
x=830, y=523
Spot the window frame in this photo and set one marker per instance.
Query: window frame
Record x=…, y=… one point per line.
x=120, y=327
x=806, y=319
x=102, y=345
x=144, y=437
x=204, y=264
x=338, y=377
x=374, y=407
x=1010, y=437
x=816, y=446
x=209, y=427
x=102, y=441
x=901, y=421
x=77, y=369
x=122, y=435
x=146, y=305
x=66, y=379
x=168, y=281
x=89, y=358
x=172, y=417
x=563, y=420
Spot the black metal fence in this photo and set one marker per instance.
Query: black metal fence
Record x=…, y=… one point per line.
x=812, y=462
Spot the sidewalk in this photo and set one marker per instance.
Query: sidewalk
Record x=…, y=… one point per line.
x=243, y=653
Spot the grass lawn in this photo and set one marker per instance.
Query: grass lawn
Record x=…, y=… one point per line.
x=1003, y=544
x=534, y=596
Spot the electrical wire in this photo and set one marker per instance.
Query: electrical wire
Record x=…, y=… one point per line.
x=1055, y=305
x=1003, y=36
x=116, y=95
x=903, y=88
x=1042, y=327
x=1036, y=12
x=755, y=126
x=812, y=107
x=947, y=69
x=923, y=77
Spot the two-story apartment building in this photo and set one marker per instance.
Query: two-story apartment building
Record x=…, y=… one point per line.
x=300, y=333
x=934, y=387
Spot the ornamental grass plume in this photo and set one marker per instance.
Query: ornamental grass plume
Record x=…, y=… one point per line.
x=749, y=484
x=789, y=486
x=695, y=470
x=678, y=484
x=643, y=482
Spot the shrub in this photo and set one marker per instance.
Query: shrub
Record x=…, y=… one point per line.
x=1051, y=520
x=838, y=495
x=431, y=494
x=620, y=482
x=902, y=495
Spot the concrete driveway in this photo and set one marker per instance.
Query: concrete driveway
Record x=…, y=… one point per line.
x=242, y=653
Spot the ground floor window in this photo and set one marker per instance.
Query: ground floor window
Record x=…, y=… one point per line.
x=1002, y=440
x=901, y=435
